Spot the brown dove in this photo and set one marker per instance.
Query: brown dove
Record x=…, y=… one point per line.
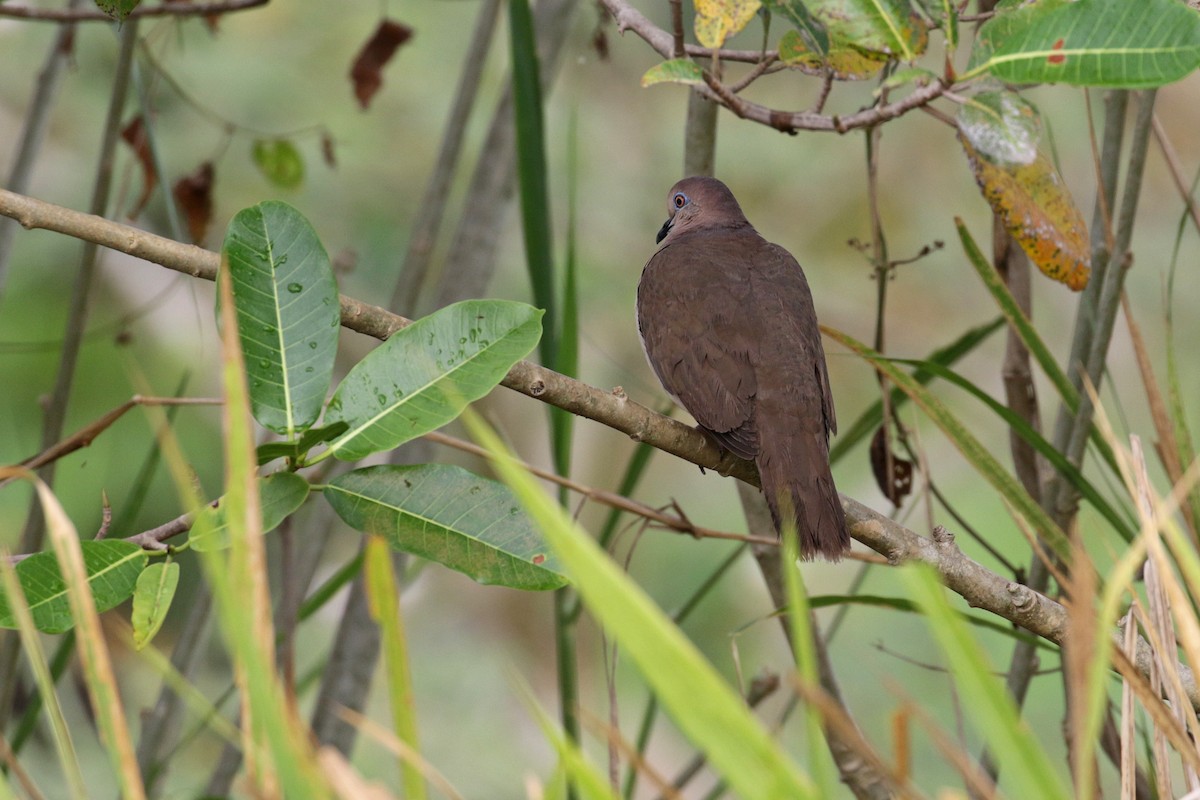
x=728, y=325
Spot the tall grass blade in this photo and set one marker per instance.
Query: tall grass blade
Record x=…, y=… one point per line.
x=737, y=746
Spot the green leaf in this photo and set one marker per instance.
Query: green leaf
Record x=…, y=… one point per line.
x=846, y=63
x=288, y=313
x=705, y=708
x=296, y=450
x=816, y=38
x=279, y=495
x=1115, y=43
x=152, y=600
x=446, y=514
x=424, y=375
x=991, y=709
x=677, y=70
x=279, y=161
x=112, y=568
x=117, y=9
x=878, y=26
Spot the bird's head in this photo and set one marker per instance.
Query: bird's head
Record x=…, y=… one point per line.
x=700, y=202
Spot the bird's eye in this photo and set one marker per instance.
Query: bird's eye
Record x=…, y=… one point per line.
x=680, y=199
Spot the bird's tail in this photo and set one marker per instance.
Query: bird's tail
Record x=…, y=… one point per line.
x=797, y=482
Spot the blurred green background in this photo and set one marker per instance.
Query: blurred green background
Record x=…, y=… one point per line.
x=284, y=67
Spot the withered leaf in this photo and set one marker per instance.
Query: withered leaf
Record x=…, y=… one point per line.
x=193, y=194
x=134, y=135
x=1039, y=212
x=892, y=473
x=367, y=71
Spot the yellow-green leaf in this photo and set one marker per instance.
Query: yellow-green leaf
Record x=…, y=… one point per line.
x=1038, y=211
x=879, y=26
x=846, y=63
x=152, y=600
x=677, y=70
x=717, y=20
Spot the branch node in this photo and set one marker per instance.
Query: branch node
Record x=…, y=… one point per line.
x=537, y=387
x=1022, y=595
x=942, y=537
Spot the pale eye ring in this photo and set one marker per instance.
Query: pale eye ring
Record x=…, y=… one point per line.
x=679, y=200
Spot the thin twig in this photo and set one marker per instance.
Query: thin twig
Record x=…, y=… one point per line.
x=172, y=8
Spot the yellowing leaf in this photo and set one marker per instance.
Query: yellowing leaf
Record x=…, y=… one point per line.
x=677, y=70
x=1038, y=211
x=717, y=20
x=847, y=63
x=890, y=27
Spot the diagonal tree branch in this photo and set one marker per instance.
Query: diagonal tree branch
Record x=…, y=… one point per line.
x=979, y=586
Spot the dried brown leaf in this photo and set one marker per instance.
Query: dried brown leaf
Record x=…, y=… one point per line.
x=193, y=193
x=134, y=135
x=367, y=71
x=892, y=473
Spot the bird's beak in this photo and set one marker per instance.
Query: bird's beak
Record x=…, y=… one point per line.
x=663, y=231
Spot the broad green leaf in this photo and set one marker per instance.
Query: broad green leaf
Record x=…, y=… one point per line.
x=279, y=495
x=846, y=63
x=112, y=570
x=991, y=709
x=816, y=38
x=288, y=313
x=1117, y=43
x=890, y=27
x=971, y=448
x=295, y=450
x=152, y=600
x=426, y=374
x=717, y=20
x=279, y=161
x=999, y=132
x=711, y=714
x=446, y=514
x=677, y=70
x=117, y=9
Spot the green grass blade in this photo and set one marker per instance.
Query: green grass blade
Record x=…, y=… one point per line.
x=1073, y=475
x=737, y=746
x=978, y=456
x=385, y=608
x=32, y=646
x=531, y=171
x=1026, y=765
x=867, y=423
x=804, y=653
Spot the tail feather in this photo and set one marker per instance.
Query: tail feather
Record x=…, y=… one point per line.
x=797, y=482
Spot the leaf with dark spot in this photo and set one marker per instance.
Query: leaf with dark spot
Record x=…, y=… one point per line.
x=193, y=194
x=367, y=71
x=892, y=473
x=117, y=9
x=134, y=135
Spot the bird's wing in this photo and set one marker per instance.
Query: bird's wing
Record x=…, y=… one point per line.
x=782, y=293
x=692, y=318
